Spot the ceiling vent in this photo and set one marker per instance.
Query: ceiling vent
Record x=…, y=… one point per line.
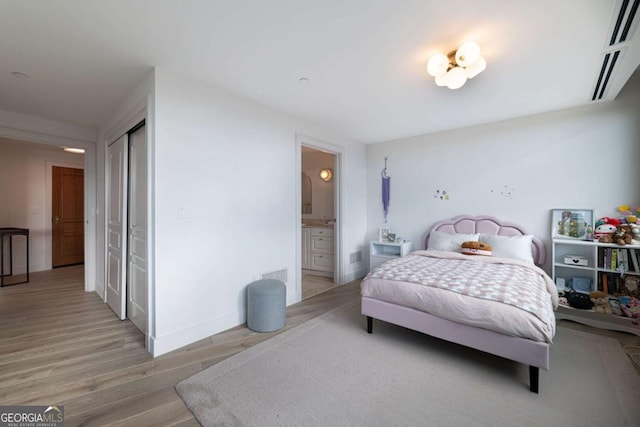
x=624, y=24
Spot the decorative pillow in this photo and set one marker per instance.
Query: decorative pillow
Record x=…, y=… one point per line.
x=514, y=247
x=476, y=248
x=441, y=241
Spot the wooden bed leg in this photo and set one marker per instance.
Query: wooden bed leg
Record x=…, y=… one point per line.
x=369, y=324
x=534, y=375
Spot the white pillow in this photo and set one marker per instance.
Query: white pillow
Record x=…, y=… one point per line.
x=514, y=247
x=441, y=241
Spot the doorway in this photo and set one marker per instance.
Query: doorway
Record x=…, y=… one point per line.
x=127, y=231
x=319, y=220
x=67, y=208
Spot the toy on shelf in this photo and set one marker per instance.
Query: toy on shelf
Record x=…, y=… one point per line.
x=629, y=214
x=605, y=227
x=600, y=302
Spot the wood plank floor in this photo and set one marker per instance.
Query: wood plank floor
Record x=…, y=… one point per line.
x=60, y=345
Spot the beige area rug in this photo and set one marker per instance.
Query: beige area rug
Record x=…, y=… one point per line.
x=330, y=372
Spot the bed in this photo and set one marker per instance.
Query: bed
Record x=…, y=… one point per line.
x=422, y=291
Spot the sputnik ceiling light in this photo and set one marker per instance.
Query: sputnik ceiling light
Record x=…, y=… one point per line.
x=454, y=69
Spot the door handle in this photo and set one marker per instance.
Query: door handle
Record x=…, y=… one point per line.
x=57, y=219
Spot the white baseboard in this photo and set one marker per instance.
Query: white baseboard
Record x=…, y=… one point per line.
x=358, y=274
x=164, y=344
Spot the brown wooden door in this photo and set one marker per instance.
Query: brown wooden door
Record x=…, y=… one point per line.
x=68, y=216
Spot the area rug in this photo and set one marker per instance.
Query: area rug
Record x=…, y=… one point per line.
x=330, y=372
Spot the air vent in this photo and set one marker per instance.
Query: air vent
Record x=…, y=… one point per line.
x=623, y=27
x=355, y=257
x=608, y=63
x=279, y=275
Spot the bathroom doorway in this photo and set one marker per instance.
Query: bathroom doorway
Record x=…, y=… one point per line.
x=319, y=233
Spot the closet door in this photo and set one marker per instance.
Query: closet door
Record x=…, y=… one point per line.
x=137, y=272
x=116, y=210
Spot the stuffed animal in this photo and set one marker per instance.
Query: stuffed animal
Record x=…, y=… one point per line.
x=635, y=232
x=623, y=234
x=600, y=302
x=604, y=227
x=578, y=300
x=476, y=248
x=615, y=307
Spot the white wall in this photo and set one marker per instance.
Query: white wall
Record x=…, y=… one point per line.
x=322, y=193
x=25, y=192
x=225, y=204
x=516, y=170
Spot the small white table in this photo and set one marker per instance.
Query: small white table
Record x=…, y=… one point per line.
x=380, y=252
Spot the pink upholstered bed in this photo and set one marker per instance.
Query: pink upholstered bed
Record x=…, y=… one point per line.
x=517, y=323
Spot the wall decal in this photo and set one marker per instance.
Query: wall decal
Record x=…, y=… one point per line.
x=441, y=194
x=506, y=192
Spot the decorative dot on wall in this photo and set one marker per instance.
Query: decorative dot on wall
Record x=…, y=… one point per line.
x=441, y=194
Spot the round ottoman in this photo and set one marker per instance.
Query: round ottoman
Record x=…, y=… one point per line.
x=266, y=305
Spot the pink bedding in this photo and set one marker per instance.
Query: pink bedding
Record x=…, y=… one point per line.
x=503, y=295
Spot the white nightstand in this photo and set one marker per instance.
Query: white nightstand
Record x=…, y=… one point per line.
x=380, y=252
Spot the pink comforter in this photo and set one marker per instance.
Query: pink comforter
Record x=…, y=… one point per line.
x=507, y=296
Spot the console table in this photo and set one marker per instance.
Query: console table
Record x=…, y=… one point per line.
x=10, y=232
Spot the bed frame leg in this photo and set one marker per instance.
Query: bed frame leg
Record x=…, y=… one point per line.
x=534, y=375
x=369, y=324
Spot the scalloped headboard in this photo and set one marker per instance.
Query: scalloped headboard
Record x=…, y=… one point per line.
x=488, y=225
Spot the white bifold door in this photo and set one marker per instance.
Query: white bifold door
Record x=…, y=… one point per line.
x=126, y=254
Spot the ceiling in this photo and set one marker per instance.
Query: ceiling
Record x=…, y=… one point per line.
x=365, y=60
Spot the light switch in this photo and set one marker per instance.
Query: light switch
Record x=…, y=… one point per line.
x=182, y=212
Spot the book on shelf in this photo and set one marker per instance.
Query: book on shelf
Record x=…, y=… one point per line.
x=610, y=283
x=634, y=260
x=614, y=259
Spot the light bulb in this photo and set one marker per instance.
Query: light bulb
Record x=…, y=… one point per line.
x=438, y=64
x=467, y=54
x=476, y=68
x=456, y=78
x=441, y=80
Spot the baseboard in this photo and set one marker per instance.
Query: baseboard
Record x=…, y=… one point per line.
x=350, y=277
x=164, y=344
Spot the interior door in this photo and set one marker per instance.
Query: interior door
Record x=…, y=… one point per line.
x=116, y=210
x=67, y=208
x=137, y=272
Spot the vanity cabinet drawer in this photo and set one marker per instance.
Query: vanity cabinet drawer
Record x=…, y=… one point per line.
x=323, y=245
x=322, y=232
x=322, y=262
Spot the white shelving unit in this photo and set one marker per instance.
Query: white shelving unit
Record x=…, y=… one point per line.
x=380, y=252
x=595, y=254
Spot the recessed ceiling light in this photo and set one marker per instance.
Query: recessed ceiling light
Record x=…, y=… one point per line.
x=20, y=75
x=74, y=150
x=303, y=80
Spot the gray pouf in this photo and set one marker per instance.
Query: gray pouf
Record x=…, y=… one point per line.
x=266, y=305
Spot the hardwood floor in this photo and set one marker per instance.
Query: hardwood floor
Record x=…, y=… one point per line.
x=313, y=285
x=60, y=345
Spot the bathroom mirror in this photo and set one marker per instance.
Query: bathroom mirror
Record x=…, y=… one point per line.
x=306, y=194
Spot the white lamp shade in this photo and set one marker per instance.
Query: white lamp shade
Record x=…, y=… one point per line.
x=476, y=68
x=441, y=80
x=456, y=78
x=438, y=64
x=467, y=54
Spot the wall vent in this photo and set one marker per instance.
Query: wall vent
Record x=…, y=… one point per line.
x=355, y=257
x=623, y=28
x=608, y=64
x=278, y=275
